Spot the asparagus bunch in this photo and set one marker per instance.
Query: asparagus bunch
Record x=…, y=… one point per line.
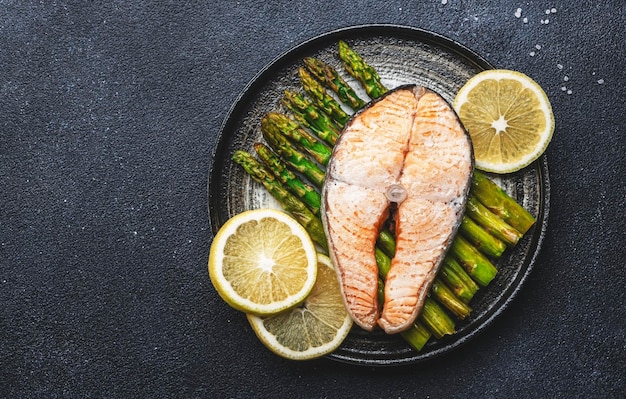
x=493, y=220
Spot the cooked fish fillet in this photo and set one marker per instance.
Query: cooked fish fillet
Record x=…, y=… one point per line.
x=409, y=140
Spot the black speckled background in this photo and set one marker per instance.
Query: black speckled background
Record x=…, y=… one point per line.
x=109, y=114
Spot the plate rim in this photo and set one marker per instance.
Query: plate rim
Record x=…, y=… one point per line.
x=246, y=97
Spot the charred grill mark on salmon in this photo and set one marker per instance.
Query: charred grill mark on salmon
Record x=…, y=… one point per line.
x=408, y=140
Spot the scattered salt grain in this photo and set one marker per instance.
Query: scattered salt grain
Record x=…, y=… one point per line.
x=560, y=66
x=569, y=92
x=553, y=10
x=444, y=2
x=547, y=11
x=563, y=88
x=532, y=53
x=538, y=46
x=525, y=20
x=600, y=81
x=518, y=13
x=565, y=78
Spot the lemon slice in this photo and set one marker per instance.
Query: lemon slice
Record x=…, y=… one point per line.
x=509, y=118
x=315, y=328
x=262, y=261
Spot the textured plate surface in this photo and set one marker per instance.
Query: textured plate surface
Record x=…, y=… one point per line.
x=401, y=55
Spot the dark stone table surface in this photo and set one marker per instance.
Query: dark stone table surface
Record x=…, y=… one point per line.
x=109, y=116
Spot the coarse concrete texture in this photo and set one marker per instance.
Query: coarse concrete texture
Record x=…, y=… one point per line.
x=109, y=115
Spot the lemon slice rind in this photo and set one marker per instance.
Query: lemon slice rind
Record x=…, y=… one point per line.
x=542, y=140
x=231, y=294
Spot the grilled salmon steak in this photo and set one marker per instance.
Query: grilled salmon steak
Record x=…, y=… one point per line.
x=409, y=148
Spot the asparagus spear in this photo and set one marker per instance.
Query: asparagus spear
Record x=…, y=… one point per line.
x=386, y=242
x=294, y=158
x=417, y=336
x=300, y=189
x=309, y=116
x=501, y=203
x=289, y=202
x=491, y=222
x=447, y=298
x=459, y=282
x=481, y=239
x=333, y=81
x=321, y=98
x=436, y=319
x=357, y=67
x=476, y=264
x=282, y=124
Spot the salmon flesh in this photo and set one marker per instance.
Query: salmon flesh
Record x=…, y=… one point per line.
x=409, y=148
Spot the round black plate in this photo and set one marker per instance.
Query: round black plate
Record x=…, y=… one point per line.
x=400, y=55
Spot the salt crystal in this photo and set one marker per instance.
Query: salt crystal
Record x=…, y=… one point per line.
x=538, y=46
x=559, y=66
x=547, y=11
x=518, y=13
x=553, y=10
x=444, y=2
x=525, y=20
x=600, y=81
x=563, y=88
x=569, y=92
x=532, y=53
x=565, y=78
x=542, y=22
x=547, y=21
